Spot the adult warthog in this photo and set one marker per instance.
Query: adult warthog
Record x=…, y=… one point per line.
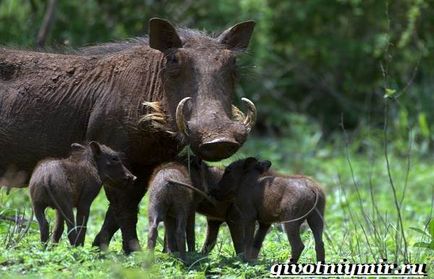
x=147, y=97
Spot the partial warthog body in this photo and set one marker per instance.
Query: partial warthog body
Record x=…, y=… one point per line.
x=268, y=199
x=74, y=182
x=175, y=204
x=225, y=210
x=216, y=212
x=147, y=98
x=220, y=212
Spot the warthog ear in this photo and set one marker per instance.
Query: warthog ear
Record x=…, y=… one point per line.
x=76, y=146
x=95, y=147
x=162, y=35
x=250, y=163
x=238, y=36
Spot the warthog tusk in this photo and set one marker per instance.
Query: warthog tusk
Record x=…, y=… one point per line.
x=180, y=121
x=250, y=118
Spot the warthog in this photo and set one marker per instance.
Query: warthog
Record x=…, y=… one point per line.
x=225, y=210
x=148, y=98
x=268, y=198
x=173, y=201
x=74, y=182
x=217, y=212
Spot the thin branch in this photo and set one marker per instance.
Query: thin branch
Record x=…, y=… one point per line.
x=47, y=23
x=392, y=184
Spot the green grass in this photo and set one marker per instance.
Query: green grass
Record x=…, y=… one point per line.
x=361, y=218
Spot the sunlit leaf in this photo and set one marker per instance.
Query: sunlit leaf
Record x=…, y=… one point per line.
x=389, y=93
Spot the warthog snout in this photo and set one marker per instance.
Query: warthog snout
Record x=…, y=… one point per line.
x=221, y=147
x=129, y=177
x=212, y=134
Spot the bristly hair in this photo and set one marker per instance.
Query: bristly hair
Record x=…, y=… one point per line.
x=155, y=118
x=112, y=47
x=237, y=114
x=189, y=38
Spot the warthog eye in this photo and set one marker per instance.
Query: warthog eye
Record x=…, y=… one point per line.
x=113, y=160
x=173, y=65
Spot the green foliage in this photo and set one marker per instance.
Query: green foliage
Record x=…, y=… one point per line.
x=429, y=235
x=389, y=93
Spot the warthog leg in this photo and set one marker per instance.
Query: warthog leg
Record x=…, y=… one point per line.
x=107, y=231
x=122, y=213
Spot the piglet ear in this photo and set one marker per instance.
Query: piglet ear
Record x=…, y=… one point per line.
x=76, y=147
x=95, y=147
x=250, y=163
x=264, y=165
x=238, y=36
x=162, y=35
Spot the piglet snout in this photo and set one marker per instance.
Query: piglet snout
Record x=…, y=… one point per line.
x=130, y=178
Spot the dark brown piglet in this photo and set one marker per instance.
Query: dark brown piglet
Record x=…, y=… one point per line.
x=216, y=212
x=224, y=210
x=175, y=204
x=269, y=198
x=74, y=182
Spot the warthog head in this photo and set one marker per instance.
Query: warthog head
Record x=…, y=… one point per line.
x=199, y=76
x=237, y=173
x=107, y=163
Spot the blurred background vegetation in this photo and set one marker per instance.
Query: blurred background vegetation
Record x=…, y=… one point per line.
x=311, y=62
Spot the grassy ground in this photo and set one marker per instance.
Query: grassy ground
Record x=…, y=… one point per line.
x=361, y=217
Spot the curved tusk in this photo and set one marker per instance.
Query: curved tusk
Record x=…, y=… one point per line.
x=180, y=121
x=250, y=119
